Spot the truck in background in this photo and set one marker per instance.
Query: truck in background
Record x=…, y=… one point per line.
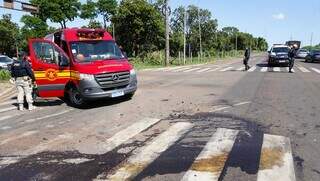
x=81, y=65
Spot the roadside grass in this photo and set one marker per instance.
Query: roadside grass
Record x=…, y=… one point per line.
x=4, y=75
x=178, y=61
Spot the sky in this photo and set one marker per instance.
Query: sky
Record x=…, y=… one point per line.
x=275, y=20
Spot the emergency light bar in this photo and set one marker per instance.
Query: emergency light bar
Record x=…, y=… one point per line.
x=89, y=34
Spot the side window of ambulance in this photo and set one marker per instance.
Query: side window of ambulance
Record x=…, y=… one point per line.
x=47, y=53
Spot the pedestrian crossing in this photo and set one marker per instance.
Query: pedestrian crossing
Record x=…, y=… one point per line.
x=230, y=68
x=276, y=160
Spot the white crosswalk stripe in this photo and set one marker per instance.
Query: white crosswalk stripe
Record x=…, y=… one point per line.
x=226, y=69
x=150, y=152
x=240, y=69
x=287, y=69
x=304, y=70
x=191, y=70
x=252, y=69
x=203, y=70
x=182, y=69
x=276, y=162
x=276, y=69
x=218, y=146
x=282, y=168
x=264, y=69
x=316, y=70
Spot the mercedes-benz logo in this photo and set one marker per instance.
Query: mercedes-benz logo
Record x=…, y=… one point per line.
x=115, y=77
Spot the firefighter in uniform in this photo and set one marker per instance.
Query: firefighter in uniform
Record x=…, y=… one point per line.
x=292, y=53
x=246, y=59
x=24, y=78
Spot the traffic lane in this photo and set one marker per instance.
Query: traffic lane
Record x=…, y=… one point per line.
x=104, y=118
x=309, y=65
x=288, y=105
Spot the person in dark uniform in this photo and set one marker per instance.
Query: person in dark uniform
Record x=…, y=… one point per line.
x=292, y=53
x=246, y=59
x=24, y=78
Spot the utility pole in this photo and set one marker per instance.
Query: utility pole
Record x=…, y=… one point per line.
x=200, y=33
x=167, y=61
x=184, y=36
x=311, y=39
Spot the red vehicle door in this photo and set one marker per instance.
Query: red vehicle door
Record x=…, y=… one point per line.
x=51, y=67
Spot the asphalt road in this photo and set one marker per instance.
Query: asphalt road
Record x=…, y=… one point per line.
x=205, y=122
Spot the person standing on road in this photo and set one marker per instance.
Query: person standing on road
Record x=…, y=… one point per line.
x=292, y=53
x=246, y=59
x=24, y=78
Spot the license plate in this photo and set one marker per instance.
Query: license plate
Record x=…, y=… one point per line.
x=117, y=94
x=282, y=61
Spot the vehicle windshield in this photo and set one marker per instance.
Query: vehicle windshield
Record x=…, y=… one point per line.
x=5, y=59
x=280, y=50
x=90, y=51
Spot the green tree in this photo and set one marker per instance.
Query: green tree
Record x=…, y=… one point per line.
x=139, y=26
x=33, y=27
x=9, y=33
x=89, y=10
x=58, y=11
x=107, y=8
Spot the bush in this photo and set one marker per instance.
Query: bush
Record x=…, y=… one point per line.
x=4, y=75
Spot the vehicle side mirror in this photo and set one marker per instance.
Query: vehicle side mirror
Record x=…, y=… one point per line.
x=63, y=61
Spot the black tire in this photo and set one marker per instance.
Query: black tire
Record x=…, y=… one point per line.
x=75, y=98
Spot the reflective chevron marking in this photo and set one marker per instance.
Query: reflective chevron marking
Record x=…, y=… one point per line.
x=209, y=164
x=252, y=69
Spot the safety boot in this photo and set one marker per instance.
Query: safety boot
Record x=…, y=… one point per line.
x=20, y=107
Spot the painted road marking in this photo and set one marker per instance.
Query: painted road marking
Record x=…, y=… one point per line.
x=191, y=70
x=213, y=70
x=276, y=162
x=150, y=152
x=8, y=103
x=220, y=108
x=302, y=69
x=242, y=103
x=252, y=69
x=264, y=69
x=226, y=69
x=26, y=134
x=241, y=69
x=8, y=109
x=182, y=69
x=121, y=137
x=7, y=117
x=276, y=69
x=209, y=164
x=45, y=117
x=203, y=70
x=287, y=69
x=173, y=68
x=316, y=70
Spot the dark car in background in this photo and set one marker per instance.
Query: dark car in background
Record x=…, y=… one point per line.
x=5, y=62
x=302, y=53
x=279, y=54
x=313, y=56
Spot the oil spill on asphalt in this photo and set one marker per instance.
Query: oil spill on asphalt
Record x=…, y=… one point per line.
x=56, y=165
x=181, y=156
x=271, y=157
x=212, y=164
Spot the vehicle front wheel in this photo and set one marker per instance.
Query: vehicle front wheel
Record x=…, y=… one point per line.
x=75, y=98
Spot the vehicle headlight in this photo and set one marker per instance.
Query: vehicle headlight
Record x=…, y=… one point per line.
x=86, y=77
x=273, y=54
x=132, y=72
